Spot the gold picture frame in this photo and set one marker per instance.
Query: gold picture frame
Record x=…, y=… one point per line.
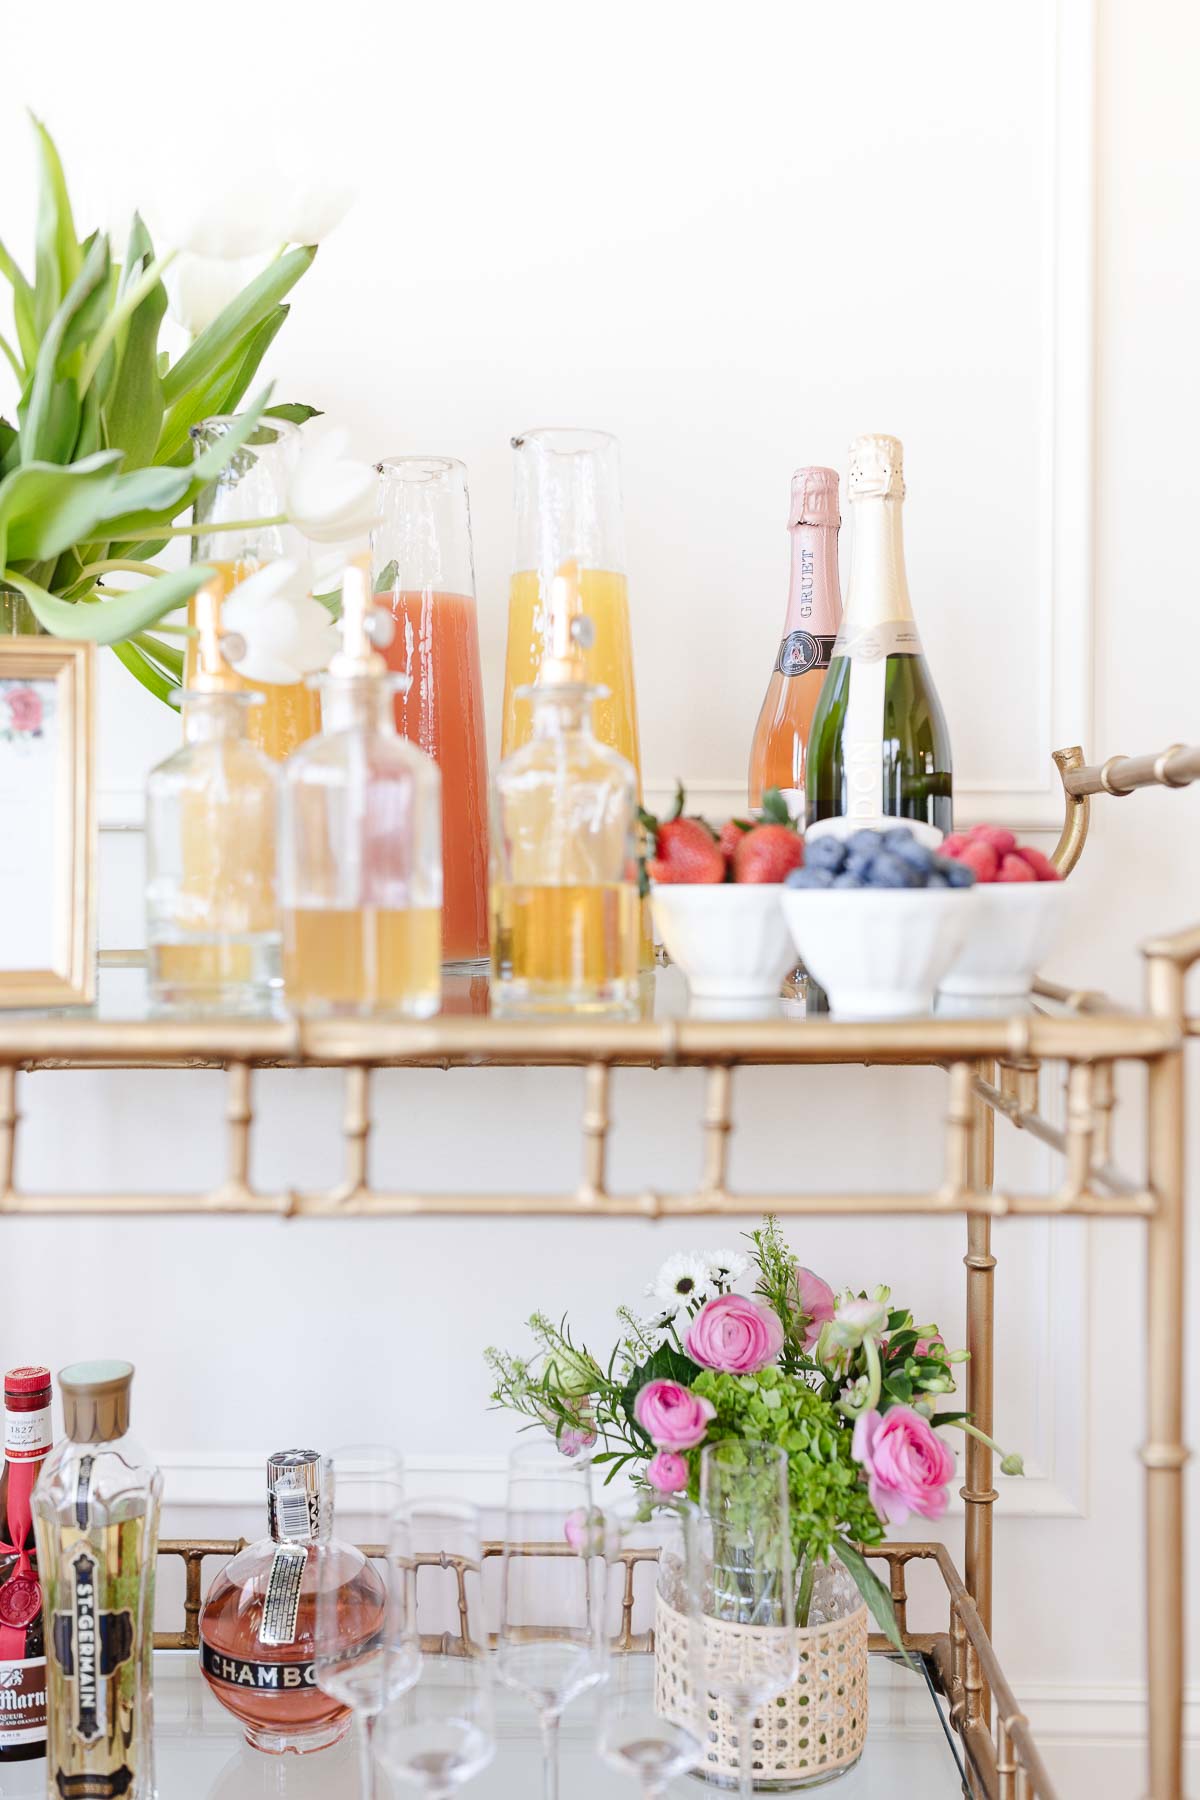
x=47, y=823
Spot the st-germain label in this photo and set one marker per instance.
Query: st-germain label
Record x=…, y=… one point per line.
x=95, y=1787
x=801, y=651
x=89, y=1645
x=267, y=1677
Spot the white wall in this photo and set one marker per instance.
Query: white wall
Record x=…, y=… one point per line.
x=734, y=238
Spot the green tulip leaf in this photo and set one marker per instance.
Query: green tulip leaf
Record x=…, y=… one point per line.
x=57, y=250
x=163, y=687
x=235, y=322
x=49, y=411
x=110, y=621
x=23, y=308
x=251, y=355
x=133, y=410
x=294, y=411
x=45, y=508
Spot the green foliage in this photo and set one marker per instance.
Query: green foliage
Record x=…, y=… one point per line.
x=97, y=466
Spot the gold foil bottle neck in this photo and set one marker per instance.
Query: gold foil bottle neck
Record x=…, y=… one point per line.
x=359, y=625
x=213, y=674
x=95, y=1398
x=570, y=635
x=876, y=468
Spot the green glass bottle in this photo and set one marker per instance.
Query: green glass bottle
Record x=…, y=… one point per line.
x=879, y=748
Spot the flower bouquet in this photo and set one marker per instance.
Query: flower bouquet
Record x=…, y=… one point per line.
x=849, y=1385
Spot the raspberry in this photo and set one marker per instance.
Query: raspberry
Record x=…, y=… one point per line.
x=1003, y=842
x=954, y=845
x=1015, y=868
x=1041, y=865
x=982, y=860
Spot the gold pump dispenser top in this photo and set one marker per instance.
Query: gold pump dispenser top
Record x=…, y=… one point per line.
x=570, y=636
x=360, y=626
x=215, y=648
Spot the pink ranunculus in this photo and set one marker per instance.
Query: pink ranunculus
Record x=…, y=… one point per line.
x=667, y=1472
x=909, y=1469
x=573, y=1439
x=927, y=1346
x=25, y=709
x=816, y=1300
x=584, y=1531
x=735, y=1335
x=671, y=1415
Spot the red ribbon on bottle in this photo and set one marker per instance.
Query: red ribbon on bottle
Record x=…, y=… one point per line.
x=21, y=1478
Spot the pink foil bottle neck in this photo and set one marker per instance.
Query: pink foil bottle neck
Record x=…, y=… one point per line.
x=814, y=498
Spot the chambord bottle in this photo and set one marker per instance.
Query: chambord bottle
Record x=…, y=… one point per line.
x=95, y=1512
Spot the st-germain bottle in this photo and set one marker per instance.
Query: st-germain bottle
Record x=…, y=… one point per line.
x=27, y=1439
x=879, y=747
x=95, y=1511
x=814, y=612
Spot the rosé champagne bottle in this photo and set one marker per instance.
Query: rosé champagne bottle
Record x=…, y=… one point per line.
x=779, y=752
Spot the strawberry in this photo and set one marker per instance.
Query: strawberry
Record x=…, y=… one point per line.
x=1041, y=865
x=731, y=835
x=768, y=853
x=681, y=849
x=1003, y=842
x=1015, y=868
x=982, y=859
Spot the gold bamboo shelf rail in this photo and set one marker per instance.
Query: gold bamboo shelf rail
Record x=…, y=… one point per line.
x=992, y=1070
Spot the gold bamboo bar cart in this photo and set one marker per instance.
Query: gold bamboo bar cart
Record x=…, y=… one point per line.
x=993, y=1068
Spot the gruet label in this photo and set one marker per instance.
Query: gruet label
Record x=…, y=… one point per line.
x=801, y=651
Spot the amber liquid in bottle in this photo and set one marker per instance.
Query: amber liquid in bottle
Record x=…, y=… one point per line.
x=557, y=941
x=779, y=751
x=346, y=959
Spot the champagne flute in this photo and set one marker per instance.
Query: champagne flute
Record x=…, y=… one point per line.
x=750, y=1649
x=551, y=1644
x=439, y=1731
x=359, y=1661
x=651, y=1723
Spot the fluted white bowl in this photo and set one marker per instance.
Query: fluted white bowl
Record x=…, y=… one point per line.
x=879, y=953
x=1015, y=928
x=729, y=937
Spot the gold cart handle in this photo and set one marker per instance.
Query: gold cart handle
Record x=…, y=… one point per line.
x=1176, y=767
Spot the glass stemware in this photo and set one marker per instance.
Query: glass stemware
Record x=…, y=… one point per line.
x=652, y=1728
x=551, y=1645
x=750, y=1648
x=363, y=1485
x=440, y=1731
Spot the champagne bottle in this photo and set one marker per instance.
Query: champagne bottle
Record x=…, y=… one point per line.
x=879, y=748
x=814, y=612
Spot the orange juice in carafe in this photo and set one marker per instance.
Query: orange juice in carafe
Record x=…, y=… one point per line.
x=603, y=595
x=289, y=713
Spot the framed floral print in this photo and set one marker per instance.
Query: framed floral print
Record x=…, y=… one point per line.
x=47, y=823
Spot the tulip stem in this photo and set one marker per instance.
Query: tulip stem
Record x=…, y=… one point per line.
x=220, y=525
x=119, y=562
x=126, y=306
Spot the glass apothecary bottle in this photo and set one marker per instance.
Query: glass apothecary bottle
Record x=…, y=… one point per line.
x=95, y=1511
x=569, y=524
x=257, y=1644
x=566, y=914
x=212, y=915
x=253, y=486
x=425, y=574
x=360, y=854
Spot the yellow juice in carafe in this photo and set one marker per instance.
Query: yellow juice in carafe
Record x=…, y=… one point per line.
x=363, y=960
x=567, y=945
x=603, y=596
x=288, y=715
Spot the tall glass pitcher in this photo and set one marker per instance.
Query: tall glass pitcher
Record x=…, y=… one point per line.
x=425, y=571
x=569, y=524
x=253, y=485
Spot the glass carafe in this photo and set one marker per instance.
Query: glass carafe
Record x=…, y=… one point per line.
x=425, y=572
x=253, y=485
x=569, y=524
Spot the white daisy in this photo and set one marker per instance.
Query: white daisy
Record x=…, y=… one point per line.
x=682, y=1279
x=726, y=1266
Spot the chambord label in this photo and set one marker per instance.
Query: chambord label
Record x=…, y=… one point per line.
x=265, y=1677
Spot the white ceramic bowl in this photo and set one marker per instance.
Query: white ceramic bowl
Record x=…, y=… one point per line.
x=728, y=937
x=879, y=953
x=1014, y=929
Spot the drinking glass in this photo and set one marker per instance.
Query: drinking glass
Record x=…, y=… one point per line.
x=251, y=486
x=651, y=1720
x=425, y=571
x=363, y=1484
x=439, y=1732
x=751, y=1652
x=551, y=1644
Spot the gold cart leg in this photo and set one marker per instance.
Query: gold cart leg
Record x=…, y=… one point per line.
x=1164, y=1454
x=977, y=1491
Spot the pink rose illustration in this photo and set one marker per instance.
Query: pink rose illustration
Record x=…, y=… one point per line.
x=25, y=709
x=671, y=1415
x=816, y=1300
x=908, y=1467
x=735, y=1335
x=667, y=1472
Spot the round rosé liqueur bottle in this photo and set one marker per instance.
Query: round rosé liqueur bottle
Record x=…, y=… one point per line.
x=256, y=1629
x=27, y=1441
x=810, y=627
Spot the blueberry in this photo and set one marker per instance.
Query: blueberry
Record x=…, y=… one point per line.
x=906, y=847
x=936, y=880
x=860, y=862
x=957, y=874
x=808, y=878
x=889, y=871
x=847, y=880
x=865, y=843
x=824, y=853
x=897, y=837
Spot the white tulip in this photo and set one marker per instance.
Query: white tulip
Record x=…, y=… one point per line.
x=286, y=633
x=199, y=287
x=227, y=212
x=330, y=496
x=314, y=208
